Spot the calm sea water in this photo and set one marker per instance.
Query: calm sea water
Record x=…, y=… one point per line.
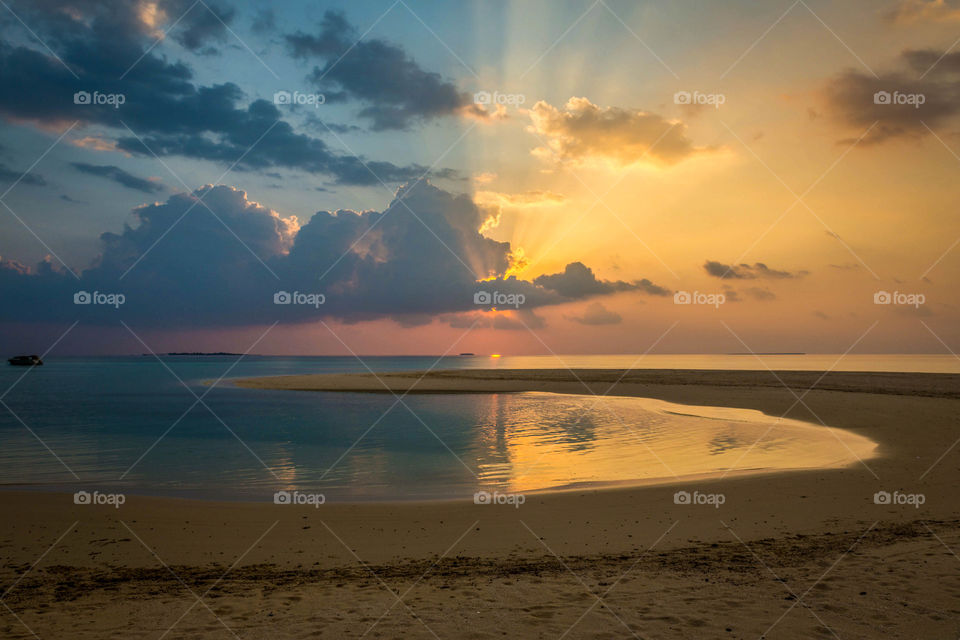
x=129, y=424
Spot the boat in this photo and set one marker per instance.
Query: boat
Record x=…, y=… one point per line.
x=25, y=361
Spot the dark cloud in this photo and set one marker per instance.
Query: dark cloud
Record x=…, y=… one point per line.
x=67, y=198
x=395, y=90
x=100, y=44
x=597, y=314
x=120, y=176
x=747, y=271
x=200, y=22
x=182, y=265
x=578, y=281
x=898, y=103
x=9, y=175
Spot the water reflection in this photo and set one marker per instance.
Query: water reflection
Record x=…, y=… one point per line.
x=363, y=446
x=549, y=440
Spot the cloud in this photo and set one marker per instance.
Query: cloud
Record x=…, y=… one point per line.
x=578, y=281
x=183, y=266
x=912, y=11
x=120, y=176
x=747, y=272
x=846, y=266
x=760, y=293
x=95, y=143
x=9, y=175
x=197, y=24
x=731, y=294
x=395, y=91
x=597, y=314
x=583, y=131
x=897, y=103
x=98, y=41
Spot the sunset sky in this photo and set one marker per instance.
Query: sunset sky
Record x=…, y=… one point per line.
x=629, y=152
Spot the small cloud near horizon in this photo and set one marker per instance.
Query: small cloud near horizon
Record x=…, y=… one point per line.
x=747, y=271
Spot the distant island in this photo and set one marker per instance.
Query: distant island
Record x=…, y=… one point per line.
x=197, y=353
x=768, y=353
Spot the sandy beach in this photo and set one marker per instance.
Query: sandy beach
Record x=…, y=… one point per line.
x=792, y=555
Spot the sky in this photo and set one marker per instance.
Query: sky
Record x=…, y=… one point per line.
x=513, y=177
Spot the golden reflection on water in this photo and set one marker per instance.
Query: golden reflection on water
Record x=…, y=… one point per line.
x=531, y=441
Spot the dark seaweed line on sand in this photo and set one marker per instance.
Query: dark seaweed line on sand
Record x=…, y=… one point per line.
x=64, y=583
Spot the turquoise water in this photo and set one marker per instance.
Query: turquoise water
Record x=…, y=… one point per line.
x=128, y=424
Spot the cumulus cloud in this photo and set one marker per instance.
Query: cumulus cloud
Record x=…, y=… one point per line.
x=396, y=91
x=99, y=40
x=899, y=102
x=597, y=314
x=583, y=131
x=181, y=265
x=747, y=271
x=120, y=176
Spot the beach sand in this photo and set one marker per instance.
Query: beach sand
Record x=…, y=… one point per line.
x=791, y=555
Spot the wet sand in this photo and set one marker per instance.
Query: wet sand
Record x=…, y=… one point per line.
x=791, y=555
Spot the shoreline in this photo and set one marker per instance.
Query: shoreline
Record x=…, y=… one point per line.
x=781, y=546
x=66, y=495
x=945, y=385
